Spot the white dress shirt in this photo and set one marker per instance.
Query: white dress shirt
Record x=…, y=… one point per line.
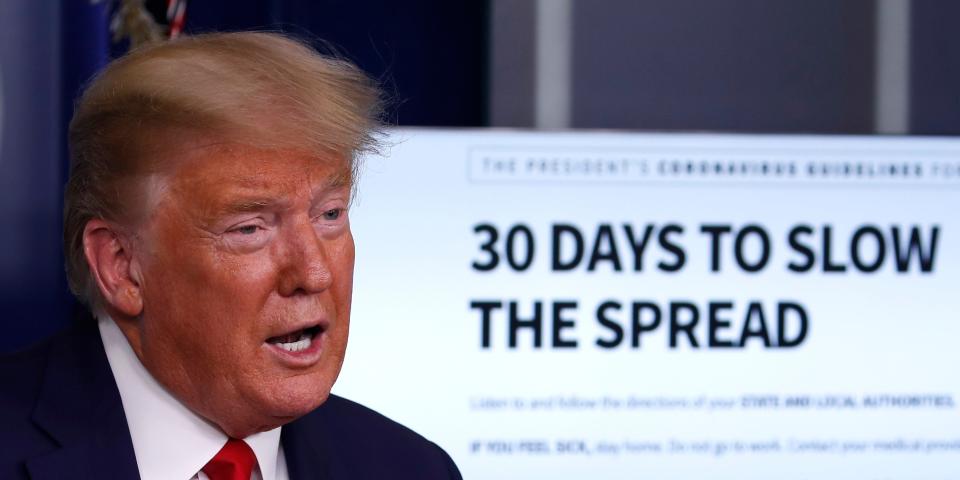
x=169, y=440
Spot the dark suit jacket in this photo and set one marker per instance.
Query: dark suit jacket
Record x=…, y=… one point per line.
x=61, y=417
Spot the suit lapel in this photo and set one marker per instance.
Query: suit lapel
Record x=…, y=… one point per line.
x=79, y=407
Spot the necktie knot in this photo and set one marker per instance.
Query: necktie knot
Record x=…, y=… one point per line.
x=235, y=461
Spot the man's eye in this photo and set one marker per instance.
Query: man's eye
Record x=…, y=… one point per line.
x=332, y=214
x=246, y=229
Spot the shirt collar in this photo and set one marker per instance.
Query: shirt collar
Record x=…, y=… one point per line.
x=170, y=441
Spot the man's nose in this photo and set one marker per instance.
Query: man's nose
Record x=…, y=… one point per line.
x=305, y=266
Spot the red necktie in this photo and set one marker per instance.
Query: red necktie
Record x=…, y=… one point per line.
x=234, y=461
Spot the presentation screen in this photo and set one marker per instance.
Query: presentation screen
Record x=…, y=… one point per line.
x=623, y=305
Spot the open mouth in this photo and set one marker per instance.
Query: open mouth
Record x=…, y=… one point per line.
x=296, y=341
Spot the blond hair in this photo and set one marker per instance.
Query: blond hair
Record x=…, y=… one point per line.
x=258, y=88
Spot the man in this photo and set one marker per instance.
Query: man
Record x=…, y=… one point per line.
x=206, y=228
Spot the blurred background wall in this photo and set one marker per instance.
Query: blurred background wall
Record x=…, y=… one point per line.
x=803, y=66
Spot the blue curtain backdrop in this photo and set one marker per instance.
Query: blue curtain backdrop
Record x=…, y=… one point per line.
x=430, y=55
x=47, y=50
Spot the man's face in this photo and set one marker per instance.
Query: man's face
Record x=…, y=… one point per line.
x=247, y=270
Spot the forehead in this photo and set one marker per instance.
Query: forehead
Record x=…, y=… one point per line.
x=216, y=168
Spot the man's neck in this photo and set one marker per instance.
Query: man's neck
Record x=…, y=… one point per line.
x=170, y=441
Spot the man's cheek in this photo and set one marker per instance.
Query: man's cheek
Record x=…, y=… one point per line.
x=233, y=284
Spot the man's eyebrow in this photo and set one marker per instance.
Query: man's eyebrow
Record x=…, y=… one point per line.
x=249, y=205
x=258, y=204
x=337, y=181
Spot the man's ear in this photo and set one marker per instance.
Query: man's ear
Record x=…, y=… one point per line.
x=113, y=267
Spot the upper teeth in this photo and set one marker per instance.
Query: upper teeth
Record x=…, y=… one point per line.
x=302, y=344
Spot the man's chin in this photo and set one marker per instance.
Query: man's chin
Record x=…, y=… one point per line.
x=276, y=412
x=259, y=404
x=299, y=397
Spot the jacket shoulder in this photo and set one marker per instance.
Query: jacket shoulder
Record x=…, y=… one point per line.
x=366, y=444
x=21, y=375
